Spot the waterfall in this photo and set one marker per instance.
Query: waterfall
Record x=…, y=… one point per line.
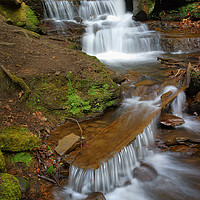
x=117, y=170
x=117, y=33
x=110, y=32
x=58, y=10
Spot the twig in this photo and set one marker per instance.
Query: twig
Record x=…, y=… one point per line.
x=56, y=181
x=78, y=126
x=47, y=179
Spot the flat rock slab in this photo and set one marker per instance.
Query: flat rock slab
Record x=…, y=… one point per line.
x=66, y=143
x=171, y=120
x=119, y=133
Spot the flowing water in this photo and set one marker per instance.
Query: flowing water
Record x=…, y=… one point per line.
x=122, y=43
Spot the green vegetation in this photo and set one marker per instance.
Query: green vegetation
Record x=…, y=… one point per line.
x=2, y=162
x=17, y=139
x=80, y=95
x=195, y=78
x=24, y=157
x=9, y=187
x=21, y=16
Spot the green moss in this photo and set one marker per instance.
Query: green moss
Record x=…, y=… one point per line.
x=78, y=95
x=17, y=139
x=2, y=162
x=16, y=15
x=195, y=78
x=24, y=157
x=22, y=16
x=31, y=20
x=9, y=187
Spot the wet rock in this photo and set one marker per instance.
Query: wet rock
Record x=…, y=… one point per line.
x=96, y=196
x=12, y=2
x=183, y=149
x=194, y=107
x=78, y=19
x=141, y=16
x=175, y=43
x=171, y=120
x=145, y=173
x=24, y=184
x=66, y=143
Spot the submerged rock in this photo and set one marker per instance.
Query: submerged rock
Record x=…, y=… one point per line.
x=145, y=173
x=9, y=187
x=171, y=120
x=17, y=139
x=66, y=143
x=96, y=196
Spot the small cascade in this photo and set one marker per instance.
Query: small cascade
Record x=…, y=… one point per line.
x=91, y=9
x=178, y=104
x=122, y=35
x=117, y=170
x=58, y=10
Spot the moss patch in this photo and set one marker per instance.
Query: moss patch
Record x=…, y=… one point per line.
x=24, y=157
x=9, y=187
x=191, y=10
x=22, y=16
x=2, y=162
x=17, y=139
x=81, y=95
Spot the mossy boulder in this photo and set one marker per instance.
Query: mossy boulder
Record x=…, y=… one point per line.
x=21, y=16
x=146, y=6
x=81, y=95
x=17, y=139
x=2, y=162
x=9, y=187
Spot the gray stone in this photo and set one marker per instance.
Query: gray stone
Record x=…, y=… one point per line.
x=66, y=143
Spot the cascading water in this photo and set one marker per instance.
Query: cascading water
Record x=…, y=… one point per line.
x=117, y=170
x=111, y=33
x=112, y=176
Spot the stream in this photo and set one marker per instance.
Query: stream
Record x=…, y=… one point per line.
x=125, y=45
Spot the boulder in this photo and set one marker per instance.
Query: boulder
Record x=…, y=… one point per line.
x=2, y=162
x=194, y=107
x=171, y=120
x=10, y=188
x=96, y=196
x=21, y=16
x=17, y=139
x=24, y=184
x=145, y=173
x=66, y=143
x=141, y=16
x=11, y=2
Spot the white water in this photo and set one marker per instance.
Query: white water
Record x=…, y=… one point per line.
x=175, y=180
x=190, y=121
x=111, y=33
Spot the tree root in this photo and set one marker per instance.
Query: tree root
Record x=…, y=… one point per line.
x=18, y=81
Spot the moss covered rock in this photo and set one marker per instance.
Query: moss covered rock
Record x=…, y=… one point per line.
x=9, y=187
x=146, y=6
x=17, y=139
x=2, y=162
x=81, y=95
x=21, y=16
